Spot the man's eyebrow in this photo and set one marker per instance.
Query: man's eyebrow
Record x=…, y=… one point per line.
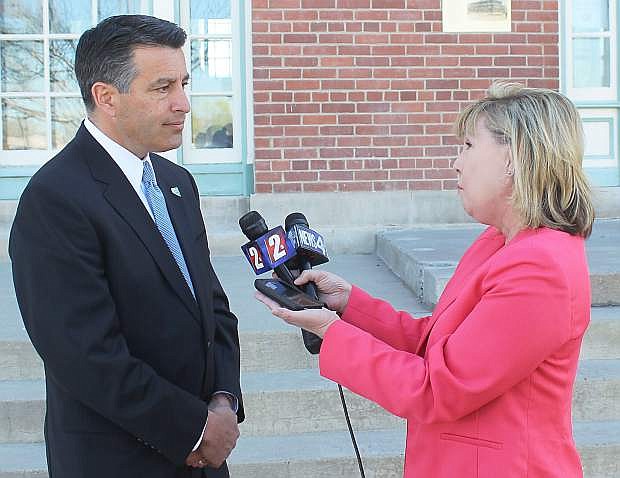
x=167, y=80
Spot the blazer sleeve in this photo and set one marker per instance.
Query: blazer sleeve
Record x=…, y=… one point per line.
x=522, y=317
x=398, y=329
x=226, y=340
x=68, y=310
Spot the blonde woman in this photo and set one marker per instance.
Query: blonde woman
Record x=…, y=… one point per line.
x=486, y=382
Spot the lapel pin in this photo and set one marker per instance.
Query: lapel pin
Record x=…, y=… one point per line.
x=175, y=191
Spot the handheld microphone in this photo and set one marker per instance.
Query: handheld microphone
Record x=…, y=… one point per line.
x=267, y=249
x=310, y=251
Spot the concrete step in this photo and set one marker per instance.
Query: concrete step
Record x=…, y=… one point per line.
x=425, y=258
x=267, y=343
x=301, y=401
x=331, y=454
x=602, y=339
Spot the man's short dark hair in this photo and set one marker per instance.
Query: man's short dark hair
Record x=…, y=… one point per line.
x=105, y=52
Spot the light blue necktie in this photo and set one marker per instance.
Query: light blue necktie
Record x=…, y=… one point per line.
x=157, y=203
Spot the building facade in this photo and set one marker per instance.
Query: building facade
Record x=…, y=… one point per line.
x=294, y=96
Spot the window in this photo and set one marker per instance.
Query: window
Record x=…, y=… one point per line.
x=40, y=103
x=590, y=79
x=41, y=106
x=214, y=60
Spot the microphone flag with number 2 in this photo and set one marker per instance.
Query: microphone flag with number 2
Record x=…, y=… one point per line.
x=269, y=250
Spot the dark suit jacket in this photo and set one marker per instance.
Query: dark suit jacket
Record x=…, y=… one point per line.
x=130, y=357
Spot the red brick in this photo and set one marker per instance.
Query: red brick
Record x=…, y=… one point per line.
x=389, y=141
x=286, y=188
x=371, y=152
x=372, y=130
x=397, y=4
x=302, y=61
x=407, y=174
x=337, y=84
x=372, y=61
x=262, y=176
x=354, y=73
x=355, y=186
x=353, y=4
x=299, y=38
x=371, y=175
x=378, y=15
x=336, y=61
x=319, y=119
x=336, y=152
x=389, y=185
x=335, y=175
x=300, y=15
x=408, y=38
x=300, y=153
x=373, y=107
x=318, y=141
x=320, y=73
x=312, y=4
x=338, y=108
x=301, y=131
x=340, y=15
x=301, y=176
x=284, y=4
x=320, y=187
x=302, y=85
x=336, y=130
x=285, y=142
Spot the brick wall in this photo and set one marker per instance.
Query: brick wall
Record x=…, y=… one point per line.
x=360, y=95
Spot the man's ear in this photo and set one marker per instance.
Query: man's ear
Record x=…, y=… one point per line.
x=105, y=96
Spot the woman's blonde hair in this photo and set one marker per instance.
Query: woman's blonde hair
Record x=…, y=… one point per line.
x=543, y=130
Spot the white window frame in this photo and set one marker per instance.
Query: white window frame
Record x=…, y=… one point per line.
x=600, y=93
x=602, y=115
x=192, y=155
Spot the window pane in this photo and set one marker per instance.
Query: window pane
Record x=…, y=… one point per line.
x=212, y=122
x=21, y=16
x=21, y=65
x=23, y=123
x=62, y=55
x=210, y=16
x=590, y=15
x=69, y=16
x=591, y=62
x=211, y=65
x=67, y=114
x=108, y=8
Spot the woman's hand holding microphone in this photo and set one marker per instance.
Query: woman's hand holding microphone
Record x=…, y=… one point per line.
x=332, y=290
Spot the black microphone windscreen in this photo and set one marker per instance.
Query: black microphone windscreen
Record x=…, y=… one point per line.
x=253, y=225
x=295, y=218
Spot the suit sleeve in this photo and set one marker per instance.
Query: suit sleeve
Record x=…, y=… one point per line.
x=68, y=310
x=398, y=329
x=522, y=317
x=226, y=340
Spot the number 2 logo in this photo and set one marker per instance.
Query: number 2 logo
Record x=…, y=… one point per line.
x=277, y=250
x=256, y=258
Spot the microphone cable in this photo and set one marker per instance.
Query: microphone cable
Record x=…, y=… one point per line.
x=346, y=415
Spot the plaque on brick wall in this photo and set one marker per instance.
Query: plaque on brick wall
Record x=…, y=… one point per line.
x=476, y=15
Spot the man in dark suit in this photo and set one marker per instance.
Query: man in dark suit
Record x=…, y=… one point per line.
x=113, y=278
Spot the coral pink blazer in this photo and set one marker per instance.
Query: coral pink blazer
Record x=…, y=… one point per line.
x=486, y=382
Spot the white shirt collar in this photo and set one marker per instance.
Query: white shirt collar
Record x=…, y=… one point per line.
x=130, y=164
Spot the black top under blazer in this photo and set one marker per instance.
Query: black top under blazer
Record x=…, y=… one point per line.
x=131, y=358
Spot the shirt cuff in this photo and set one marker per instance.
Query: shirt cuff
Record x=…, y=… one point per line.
x=234, y=404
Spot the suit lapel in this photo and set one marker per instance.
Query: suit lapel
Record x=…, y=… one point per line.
x=123, y=198
x=180, y=217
